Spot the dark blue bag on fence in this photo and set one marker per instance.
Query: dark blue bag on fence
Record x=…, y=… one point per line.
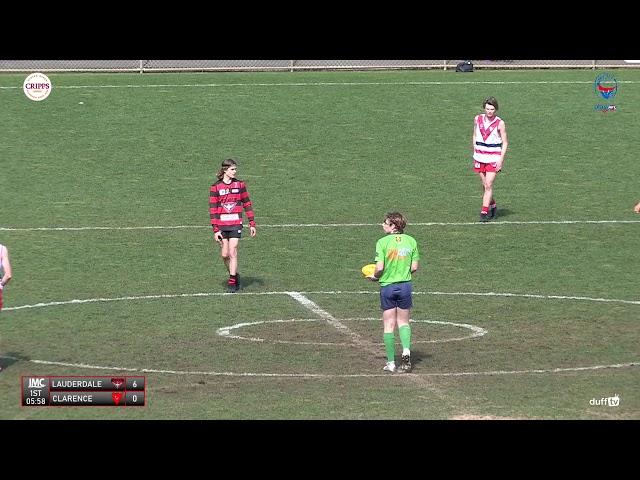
x=465, y=66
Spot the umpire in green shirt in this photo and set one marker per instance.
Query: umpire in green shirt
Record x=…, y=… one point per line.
x=397, y=258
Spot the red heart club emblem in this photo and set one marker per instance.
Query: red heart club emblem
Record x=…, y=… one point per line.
x=116, y=397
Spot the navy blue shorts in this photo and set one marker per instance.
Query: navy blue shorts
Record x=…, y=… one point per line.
x=231, y=232
x=396, y=295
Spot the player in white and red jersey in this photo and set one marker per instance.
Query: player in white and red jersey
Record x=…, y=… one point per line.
x=489, y=143
x=228, y=197
x=5, y=272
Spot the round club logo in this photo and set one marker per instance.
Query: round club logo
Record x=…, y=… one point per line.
x=606, y=86
x=37, y=86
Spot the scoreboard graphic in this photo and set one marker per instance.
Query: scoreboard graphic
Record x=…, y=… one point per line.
x=48, y=391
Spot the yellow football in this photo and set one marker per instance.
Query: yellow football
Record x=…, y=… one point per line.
x=369, y=269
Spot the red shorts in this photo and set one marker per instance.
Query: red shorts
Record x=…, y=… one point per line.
x=480, y=167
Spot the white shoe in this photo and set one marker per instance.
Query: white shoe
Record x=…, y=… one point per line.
x=390, y=367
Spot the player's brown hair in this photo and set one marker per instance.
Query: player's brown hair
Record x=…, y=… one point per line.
x=396, y=219
x=490, y=101
x=229, y=162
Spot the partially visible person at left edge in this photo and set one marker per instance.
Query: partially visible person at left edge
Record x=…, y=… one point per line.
x=228, y=197
x=637, y=208
x=5, y=270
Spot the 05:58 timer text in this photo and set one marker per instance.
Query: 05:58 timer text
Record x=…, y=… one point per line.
x=38, y=400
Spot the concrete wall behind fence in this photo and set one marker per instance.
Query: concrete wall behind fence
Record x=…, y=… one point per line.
x=143, y=66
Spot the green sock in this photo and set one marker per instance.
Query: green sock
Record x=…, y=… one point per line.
x=405, y=336
x=390, y=346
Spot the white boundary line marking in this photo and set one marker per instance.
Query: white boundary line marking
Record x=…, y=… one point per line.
x=324, y=375
x=327, y=84
x=323, y=225
x=531, y=295
x=335, y=292
x=334, y=322
x=311, y=375
x=313, y=307
x=226, y=331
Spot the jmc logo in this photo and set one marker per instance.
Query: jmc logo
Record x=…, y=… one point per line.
x=36, y=383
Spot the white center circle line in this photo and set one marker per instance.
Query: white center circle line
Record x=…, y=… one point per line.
x=320, y=375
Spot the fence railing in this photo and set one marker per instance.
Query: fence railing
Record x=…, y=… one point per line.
x=144, y=66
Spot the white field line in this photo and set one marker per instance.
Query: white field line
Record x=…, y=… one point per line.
x=335, y=292
x=138, y=297
x=322, y=84
x=226, y=331
x=530, y=295
x=323, y=375
x=322, y=225
x=334, y=322
x=319, y=311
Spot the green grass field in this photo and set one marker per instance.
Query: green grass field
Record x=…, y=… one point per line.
x=325, y=155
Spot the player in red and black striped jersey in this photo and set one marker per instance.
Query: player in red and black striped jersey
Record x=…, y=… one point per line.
x=228, y=197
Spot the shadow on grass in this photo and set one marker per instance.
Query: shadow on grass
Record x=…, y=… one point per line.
x=503, y=212
x=245, y=282
x=8, y=359
x=416, y=358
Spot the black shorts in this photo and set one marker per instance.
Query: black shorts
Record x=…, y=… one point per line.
x=231, y=232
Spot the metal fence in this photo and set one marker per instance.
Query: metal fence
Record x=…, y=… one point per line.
x=143, y=66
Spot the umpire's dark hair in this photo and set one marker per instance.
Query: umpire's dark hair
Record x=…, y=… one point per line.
x=490, y=101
